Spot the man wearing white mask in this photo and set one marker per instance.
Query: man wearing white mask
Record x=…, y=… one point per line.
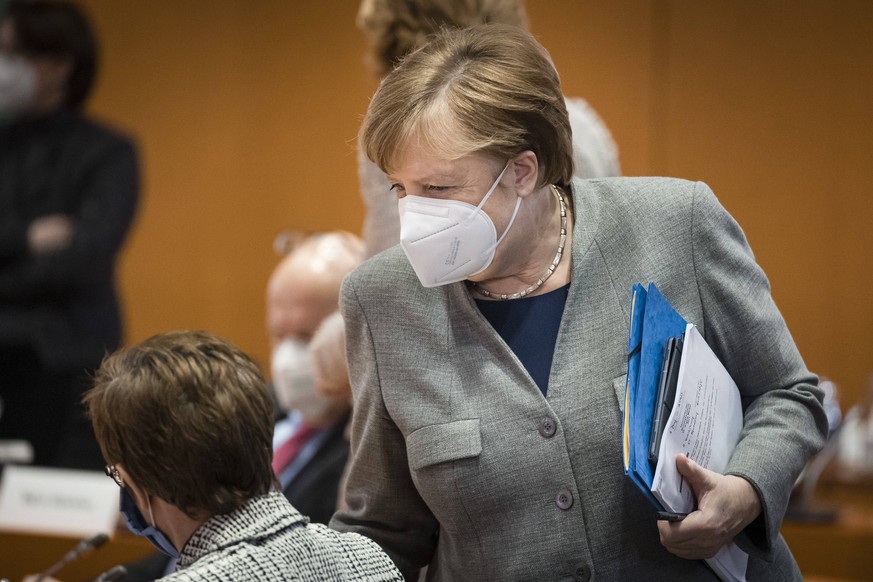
x=310, y=449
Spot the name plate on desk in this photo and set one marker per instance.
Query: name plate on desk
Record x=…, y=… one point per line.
x=57, y=501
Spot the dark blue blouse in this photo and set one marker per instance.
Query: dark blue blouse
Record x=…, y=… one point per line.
x=530, y=327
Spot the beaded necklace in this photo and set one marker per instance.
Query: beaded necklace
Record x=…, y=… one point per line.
x=548, y=273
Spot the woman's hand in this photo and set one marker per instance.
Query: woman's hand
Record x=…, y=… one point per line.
x=726, y=504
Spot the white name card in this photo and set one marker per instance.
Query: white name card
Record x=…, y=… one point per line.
x=57, y=501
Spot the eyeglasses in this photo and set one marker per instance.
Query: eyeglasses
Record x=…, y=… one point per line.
x=112, y=472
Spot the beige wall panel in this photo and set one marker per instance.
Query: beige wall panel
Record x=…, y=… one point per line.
x=769, y=102
x=246, y=115
x=602, y=51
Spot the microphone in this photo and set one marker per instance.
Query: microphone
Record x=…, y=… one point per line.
x=82, y=548
x=116, y=574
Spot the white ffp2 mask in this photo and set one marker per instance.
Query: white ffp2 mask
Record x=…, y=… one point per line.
x=293, y=381
x=447, y=240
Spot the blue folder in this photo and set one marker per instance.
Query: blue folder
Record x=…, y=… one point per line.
x=653, y=321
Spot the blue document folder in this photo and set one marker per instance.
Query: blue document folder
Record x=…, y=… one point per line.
x=652, y=322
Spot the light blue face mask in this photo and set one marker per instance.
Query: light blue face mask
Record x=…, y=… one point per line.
x=137, y=524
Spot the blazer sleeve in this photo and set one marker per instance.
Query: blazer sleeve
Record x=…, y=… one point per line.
x=784, y=423
x=381, y=498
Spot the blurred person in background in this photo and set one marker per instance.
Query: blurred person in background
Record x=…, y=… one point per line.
x=310, y=445
x=68, y=193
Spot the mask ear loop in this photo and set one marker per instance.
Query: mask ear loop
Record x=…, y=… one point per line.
x=511, y=220
x=487, y=195
x=514, y=212
x=478, y=210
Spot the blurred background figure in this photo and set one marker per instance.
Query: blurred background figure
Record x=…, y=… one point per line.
x=309, y=442
x=855, y=458
x=68, y=193
x=395, y=28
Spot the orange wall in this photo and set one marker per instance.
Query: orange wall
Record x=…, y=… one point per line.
x=246, y=113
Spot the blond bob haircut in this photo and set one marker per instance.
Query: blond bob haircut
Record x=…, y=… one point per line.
x=489, y=89
x=395, y=28
x=189, y=417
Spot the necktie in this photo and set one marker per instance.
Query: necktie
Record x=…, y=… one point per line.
x=287, y=451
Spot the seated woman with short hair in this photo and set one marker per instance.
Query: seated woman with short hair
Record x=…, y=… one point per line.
x=185, y=421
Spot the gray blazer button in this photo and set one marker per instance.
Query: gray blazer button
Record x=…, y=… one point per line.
x=564, y=499
x=583, y=573
x=548, y=427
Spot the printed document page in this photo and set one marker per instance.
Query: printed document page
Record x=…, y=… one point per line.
x=705, y=425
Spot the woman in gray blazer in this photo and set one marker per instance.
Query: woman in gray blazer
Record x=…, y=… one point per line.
x=487, y=352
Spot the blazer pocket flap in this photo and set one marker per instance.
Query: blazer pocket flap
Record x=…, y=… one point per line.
x=438, y=443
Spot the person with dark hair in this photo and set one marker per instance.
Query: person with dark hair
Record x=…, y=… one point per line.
x=59, y=43
x=185, y=422
x=68, y=194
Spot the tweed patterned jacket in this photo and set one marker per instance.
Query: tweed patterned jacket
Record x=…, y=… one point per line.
x=267, y=539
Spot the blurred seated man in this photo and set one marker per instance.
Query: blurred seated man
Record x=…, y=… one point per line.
x=185, y=423
x=310, y=447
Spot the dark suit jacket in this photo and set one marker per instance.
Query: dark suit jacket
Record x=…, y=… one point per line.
x=314, y=490
x=64, y=304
